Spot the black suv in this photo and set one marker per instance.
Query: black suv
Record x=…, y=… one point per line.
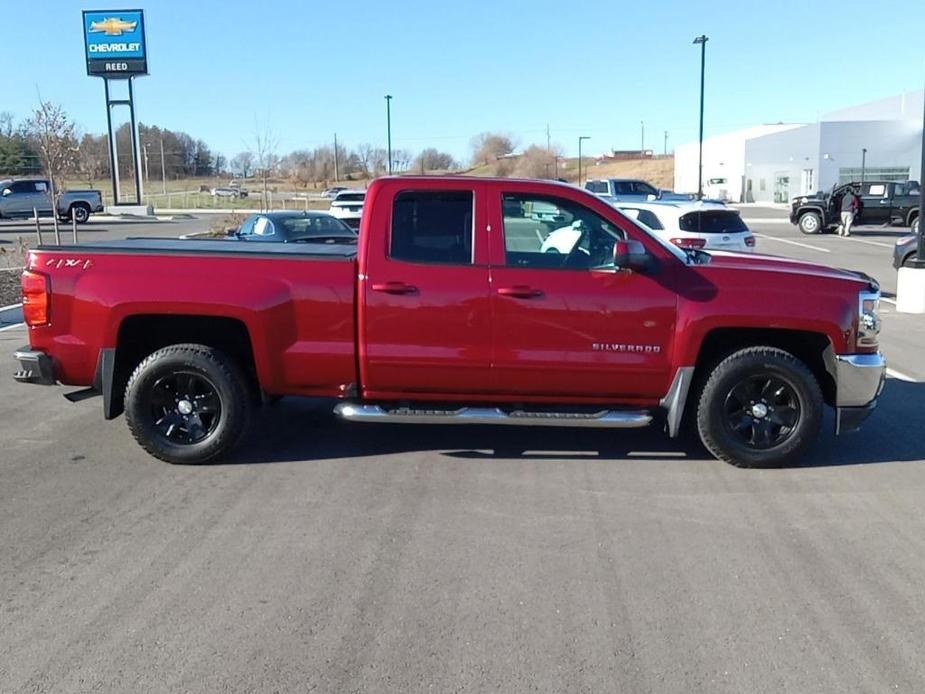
x=882, y=202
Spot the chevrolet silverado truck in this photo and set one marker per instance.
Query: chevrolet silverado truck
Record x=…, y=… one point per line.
x=882, y=202
x=22, y=198
x=448, y=312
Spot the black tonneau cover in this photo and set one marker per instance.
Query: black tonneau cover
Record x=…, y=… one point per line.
x=173, y=246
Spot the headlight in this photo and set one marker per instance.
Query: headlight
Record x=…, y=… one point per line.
x=868, y=320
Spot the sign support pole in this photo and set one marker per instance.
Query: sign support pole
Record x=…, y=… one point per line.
x=136, y=158
x=113, y=158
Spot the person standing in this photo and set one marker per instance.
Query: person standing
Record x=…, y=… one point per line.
x=848, y=208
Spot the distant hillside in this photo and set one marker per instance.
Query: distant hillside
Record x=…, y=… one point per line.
x=658, y=172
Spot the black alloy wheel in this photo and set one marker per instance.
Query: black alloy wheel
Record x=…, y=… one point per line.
x=184, y=407
x=762, y=411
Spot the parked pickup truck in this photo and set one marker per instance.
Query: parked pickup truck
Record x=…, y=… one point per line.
x=21, y=198
x=882, y=202
x=447, y=312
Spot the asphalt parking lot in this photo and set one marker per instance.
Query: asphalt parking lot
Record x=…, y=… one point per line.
x=335, y=557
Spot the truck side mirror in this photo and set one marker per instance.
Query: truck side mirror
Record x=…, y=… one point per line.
x=631, y=255
x=6, y=191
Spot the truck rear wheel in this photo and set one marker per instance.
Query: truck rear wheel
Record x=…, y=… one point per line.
x=80, y=213
x=811, y=223
x=761, y=407
x=187, y=404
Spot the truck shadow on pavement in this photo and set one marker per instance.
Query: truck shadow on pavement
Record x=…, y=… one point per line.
x=297, y=429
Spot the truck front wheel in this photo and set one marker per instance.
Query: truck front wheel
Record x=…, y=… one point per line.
x=187, y=403
x=761, y=407
x=811, y=223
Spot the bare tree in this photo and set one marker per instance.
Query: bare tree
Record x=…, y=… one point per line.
x=537, y=162
x=55, y=136
x=92, y=159
x=6, y=124
x=431, y=159
x=487, y=147
x=243, y=162
x=264, y=151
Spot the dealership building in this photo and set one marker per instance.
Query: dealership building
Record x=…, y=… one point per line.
x=773, y=163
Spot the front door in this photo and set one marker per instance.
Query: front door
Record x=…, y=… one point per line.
x=566, y=322
x=425, y=318
x=24, y=197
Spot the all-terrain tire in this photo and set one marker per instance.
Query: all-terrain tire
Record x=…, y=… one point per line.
x=733, y=430
x=80, y=212
x=211, y=377
x=810, y=223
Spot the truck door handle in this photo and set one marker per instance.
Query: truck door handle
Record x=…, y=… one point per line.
x=394, y=288
x=520, y=292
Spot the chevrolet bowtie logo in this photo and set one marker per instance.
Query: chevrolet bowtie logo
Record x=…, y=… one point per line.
x=112, y=26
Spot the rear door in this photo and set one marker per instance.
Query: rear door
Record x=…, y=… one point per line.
x=567, y=323
x=425, y=318
x=875, y=201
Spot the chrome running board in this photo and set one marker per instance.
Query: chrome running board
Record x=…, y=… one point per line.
x=614, y=419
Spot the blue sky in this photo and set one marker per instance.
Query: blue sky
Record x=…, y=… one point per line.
x=310, y=69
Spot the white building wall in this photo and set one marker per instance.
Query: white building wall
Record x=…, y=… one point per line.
x=723, y=157
x=783, y=165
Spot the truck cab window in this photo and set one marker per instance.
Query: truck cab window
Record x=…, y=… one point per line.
x=432, y=227
x=555, y=233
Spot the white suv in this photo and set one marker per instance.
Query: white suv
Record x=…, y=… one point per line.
x=347, y=206
x=690, y=225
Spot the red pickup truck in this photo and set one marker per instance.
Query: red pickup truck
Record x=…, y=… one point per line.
x=448, y=312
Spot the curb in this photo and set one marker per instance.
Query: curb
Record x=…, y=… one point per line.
x=11, y=316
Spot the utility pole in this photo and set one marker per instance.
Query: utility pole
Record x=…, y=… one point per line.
x=144, y=148
x=388, y=127
x=582, y=137
x=163, y=169
x=702, y=40
x=666, y=143
x=642, y=137
x=548, y=148
x=863, y=164
x=335, y=157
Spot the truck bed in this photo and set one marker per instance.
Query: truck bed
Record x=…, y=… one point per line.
x=173, y=246
x=295, y=302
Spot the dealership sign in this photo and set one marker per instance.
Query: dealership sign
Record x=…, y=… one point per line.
x=114, y=42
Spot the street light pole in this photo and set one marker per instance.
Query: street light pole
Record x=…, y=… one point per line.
x=863, y=163
x=919, y=260
x=702, y=40
x=163, y=169
x=388, y=127
x=642, y=137
x=335, y=157
x=582, y=137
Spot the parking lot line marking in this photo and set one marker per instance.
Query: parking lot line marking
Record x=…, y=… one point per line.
x=900, y=376
x=869, y=243
x=889, y=301
x=10, y=327
x=794, y=243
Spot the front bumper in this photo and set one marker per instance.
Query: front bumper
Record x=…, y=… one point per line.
x=35, y=367
x=859, y=379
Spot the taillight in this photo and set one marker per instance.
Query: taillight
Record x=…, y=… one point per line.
x=35, y=298
x=750, y=241
x=692, y=243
